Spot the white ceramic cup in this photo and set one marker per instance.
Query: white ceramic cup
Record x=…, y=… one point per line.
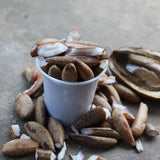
x=67, y=101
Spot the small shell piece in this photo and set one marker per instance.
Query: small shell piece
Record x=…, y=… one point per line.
x=74, y=130
x=14, y=131
x=19, y=147
x=151, y=130
x=79, y=156
x=140, y=121
x=44, y=154
x=24, y=136
x=95, y=157
x=86, y=51
x=35, y=87
x=46, y=40
x=24, y=106
x=62, y=152
x=84, y=43
x=104, y=79
x=74, y=35
x=139, y=146
x=127, y=113
x=32, y=74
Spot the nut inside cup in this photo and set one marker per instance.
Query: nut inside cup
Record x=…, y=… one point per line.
x=67, y=101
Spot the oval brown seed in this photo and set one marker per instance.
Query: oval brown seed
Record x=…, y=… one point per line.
x=63, y=60
x=40, y=111
x=121, y=125
x=19, y=147
x=85, y=72
x=93, y=141
x=101, y=131
x=127, y=93
x=24, y=106
x=40, y=134
x=55, y=72
x=69, y=73
x=151, y=130
x=100, y=101
x=140, y=121
x=88, y=119
x=56, y=130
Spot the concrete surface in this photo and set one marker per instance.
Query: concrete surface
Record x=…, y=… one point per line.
x=115, y=24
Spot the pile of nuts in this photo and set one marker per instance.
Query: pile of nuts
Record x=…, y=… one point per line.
x=74, y=61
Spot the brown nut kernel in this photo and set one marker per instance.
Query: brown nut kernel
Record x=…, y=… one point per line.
x=105, y=124
x=55, y=72
x=151, y=130
x=69, y=73
x=88, y=119
x=93, y=141
x=121, y=125
x=100, y=101
x=40, y=134
x=140, y=121
x=56, y=130
x=63, y=60
x=100, y=131
x=84, y=70
x=24, y=106
x=126, y=93
x=19, y=147
x=40, y=111
x=109, y=91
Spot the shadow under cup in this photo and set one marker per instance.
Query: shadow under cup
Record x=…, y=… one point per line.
x=67, y=101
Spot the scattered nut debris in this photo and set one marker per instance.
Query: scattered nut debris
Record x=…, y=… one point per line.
x=14, y=131
x=44, y=154
x=79, y=156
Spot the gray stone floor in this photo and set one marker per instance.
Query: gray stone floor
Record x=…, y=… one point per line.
x=115, y=24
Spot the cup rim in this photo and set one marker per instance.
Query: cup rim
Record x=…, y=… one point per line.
x=69, y=83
